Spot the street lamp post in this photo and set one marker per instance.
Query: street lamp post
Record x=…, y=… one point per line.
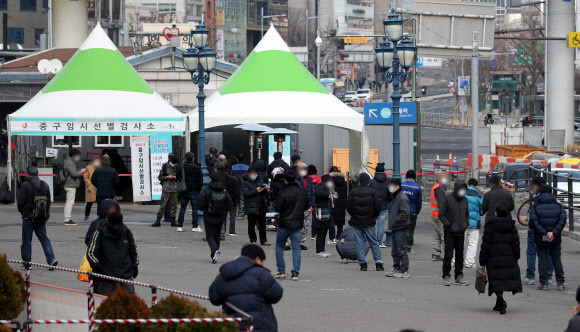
x=395, y=50
x=318, y=43
x=199, y=60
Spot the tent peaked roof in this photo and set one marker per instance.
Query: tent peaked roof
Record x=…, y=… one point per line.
x=272, y=86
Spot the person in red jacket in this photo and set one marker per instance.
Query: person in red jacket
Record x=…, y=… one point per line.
x=312, y=174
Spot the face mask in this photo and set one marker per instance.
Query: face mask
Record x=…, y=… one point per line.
x=392, y=190
x=97, y=164
x=253, y=177
x=302, y=174
x=77, y=159
x=329, y=185
x=461, y=193
x=443, y=181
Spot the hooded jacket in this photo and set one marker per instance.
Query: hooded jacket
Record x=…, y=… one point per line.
x=475, y=200
x=249, y=287
x=363, y=205
x=260, y=166
x=380, y=183
x=454, y=211
x=205, y=197
x=113, y=254
x=547, y=215
x=346, y=244
x=232, y=185
x=399, y=212
x=253, y=200
x=500, y=252
x=104, y=207
x=324, y=200
x=275, y=164
x=339, y=211
x=291, y=203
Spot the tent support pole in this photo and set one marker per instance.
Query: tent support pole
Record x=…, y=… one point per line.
x=187, y=136
x=9, y=162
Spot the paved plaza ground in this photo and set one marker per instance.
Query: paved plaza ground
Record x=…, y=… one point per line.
x=329, y=296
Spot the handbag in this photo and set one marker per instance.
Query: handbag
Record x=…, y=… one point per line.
x=86, y=267
x=480, y=280
x=182, y=186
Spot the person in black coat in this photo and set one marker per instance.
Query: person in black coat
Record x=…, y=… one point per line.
x=278, y=162
x=339, y=211
x=499, y=255
x=248, y=285
x=255, y=193
x=496, y=195
x=193, y=177
x=324, y=196
x=261, y=167
x=106, y=180
x=380, y=183
x=107, y=206
x=232, y=184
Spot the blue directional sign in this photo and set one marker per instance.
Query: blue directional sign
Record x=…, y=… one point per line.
x=382, y=113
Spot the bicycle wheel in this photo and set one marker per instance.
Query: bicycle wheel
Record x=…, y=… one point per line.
x=524, y=213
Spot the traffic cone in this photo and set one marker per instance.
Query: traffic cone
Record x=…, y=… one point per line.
x=455, y=163
x=450, y=162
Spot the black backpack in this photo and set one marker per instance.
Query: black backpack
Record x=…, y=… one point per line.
x=217, y=206
x=40, y=209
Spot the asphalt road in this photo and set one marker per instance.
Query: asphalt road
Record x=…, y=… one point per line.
x=443, y=141
x=329, y=296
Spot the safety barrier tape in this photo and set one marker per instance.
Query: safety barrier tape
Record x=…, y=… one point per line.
x=137, y=320
x=24, y=174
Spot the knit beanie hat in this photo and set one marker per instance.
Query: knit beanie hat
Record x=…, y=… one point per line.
x=364, y=179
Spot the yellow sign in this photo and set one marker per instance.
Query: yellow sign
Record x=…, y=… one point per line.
x=220, y=17
x=573, y=39
x=355, y=40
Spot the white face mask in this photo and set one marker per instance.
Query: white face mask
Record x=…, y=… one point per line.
x=461, y=192
x=443, y=181
x=329, y=185
x=302, y=174
x=253, y=176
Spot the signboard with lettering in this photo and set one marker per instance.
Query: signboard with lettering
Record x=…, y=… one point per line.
x=382, y=113
x=161, y=146
x=356, y=40
x=273, y=147
x=140, y=168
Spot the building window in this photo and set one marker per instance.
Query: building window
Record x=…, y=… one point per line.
x=37, y=33
x=109, y=142
x=45, y=6
x=27, y=5
x=15, y=35
x=62, y=141
x=198, y=10
x=3, y=4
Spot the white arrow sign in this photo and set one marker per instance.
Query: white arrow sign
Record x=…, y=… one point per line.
x=372, y=113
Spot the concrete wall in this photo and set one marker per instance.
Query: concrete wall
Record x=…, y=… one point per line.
x=28, y=20
x=70, y=23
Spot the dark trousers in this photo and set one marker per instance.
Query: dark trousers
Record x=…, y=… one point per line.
x=213, y=237
x=88, y=208
x=334, y=234
x=410, y=238
x=399, y=251
x=40, y=230
x=553, y=251
x=499, y=297
x=320, y=238
x=259, y=220
x=189, y=197
x=106, y=287
x=453, y=242
x=232, y=217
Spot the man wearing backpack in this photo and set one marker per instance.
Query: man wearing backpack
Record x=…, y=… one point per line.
x=34, y=206
x=215, y=202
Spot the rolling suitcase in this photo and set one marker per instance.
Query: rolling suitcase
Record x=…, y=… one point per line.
x=480, y=280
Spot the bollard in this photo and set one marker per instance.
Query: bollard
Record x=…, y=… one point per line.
x=28, y=298
x=91, y=304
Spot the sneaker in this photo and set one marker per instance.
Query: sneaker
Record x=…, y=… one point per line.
x=470, y=266
x=232, y=234
x=436, y=258
x=294, y=276
x=215, y=257
x=382, y=245
x=329, y=242
x=322, y=254
x=561, y=286
x=179, y=229
x=460, y=282
x=363, y=266
x=528, y=281
x=400, y=274
x=379, y=266
x=391, y=273
x=266, y=243
x=312, y=238
x=279, y=275
x=54, y=262
x=344, y=261
x=197, y=230
x=327, y=254
x=303, y=247
x=70, y=223
x=446, y=281
x=86, y=218
x=543, y=286
x=286, y=248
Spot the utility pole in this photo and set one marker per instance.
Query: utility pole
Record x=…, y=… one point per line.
x=475, y=109
x=5, y=30
x=318, y=47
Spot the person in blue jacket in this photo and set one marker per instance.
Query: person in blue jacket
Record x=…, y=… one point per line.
x=549, y=218
x=475, y=201
x=249, y=286
x=415, y=195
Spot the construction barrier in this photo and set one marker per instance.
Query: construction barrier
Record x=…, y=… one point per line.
x=487, y=162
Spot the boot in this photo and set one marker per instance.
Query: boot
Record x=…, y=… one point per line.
x=174, y=223
x=379, y=266
x=363, y=266
x=157, y=223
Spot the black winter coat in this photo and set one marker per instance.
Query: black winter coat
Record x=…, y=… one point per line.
x=193, y=176
x=204, y=199
x=339, y=211
x=454, y=211
x=253, y=200
x=547, y=215
x=112, y=254
x=364, y=206
x=95, y=224
x=399, y=213
x=26, y=196
x=346, y=244
x=322, y=200
x=276, y=185
x=291, y=203
x=249, y=287
x=493, y=197
x=275, y=164
x=232, y=185
x=500, y=252
x=380, y=183
x=261, y=166
x=106, y=180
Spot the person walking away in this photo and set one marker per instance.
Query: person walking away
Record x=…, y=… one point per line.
x=574, y=323
x=312, y=172
x=277, y=183
x=113, y=252
x=305, y=182
x=380, y=183
x=91, y=189
x=454, y=214
x=211, y=159
x=107, y=206
x=168, y=178
x=499, y=255
x=363, y=206
x=496, y=195
x=339, y=211
x=399, y=224
x=549, y=219
x=415, y=195
x=215, y=202
x=34, y=207
x=538, y=184
x=291, y=203
x=278, y=162
x=247, y=284
x=105, y=179
x=474, y=201
x=72, y=182
x=254, y=191
x=119, y=165
x=233, y=187
x=324, y=196
x=437, y=196
x=240, y=168
x=191, y=174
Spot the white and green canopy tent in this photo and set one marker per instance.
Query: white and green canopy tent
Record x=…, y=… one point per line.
x=96, y=93
x=272, y=86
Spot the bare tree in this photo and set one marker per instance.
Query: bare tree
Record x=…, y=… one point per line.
x=296, y=27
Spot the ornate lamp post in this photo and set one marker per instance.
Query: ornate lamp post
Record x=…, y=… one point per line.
x=396, y=52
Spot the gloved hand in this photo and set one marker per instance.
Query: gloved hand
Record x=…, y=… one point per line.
x=135, y=272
